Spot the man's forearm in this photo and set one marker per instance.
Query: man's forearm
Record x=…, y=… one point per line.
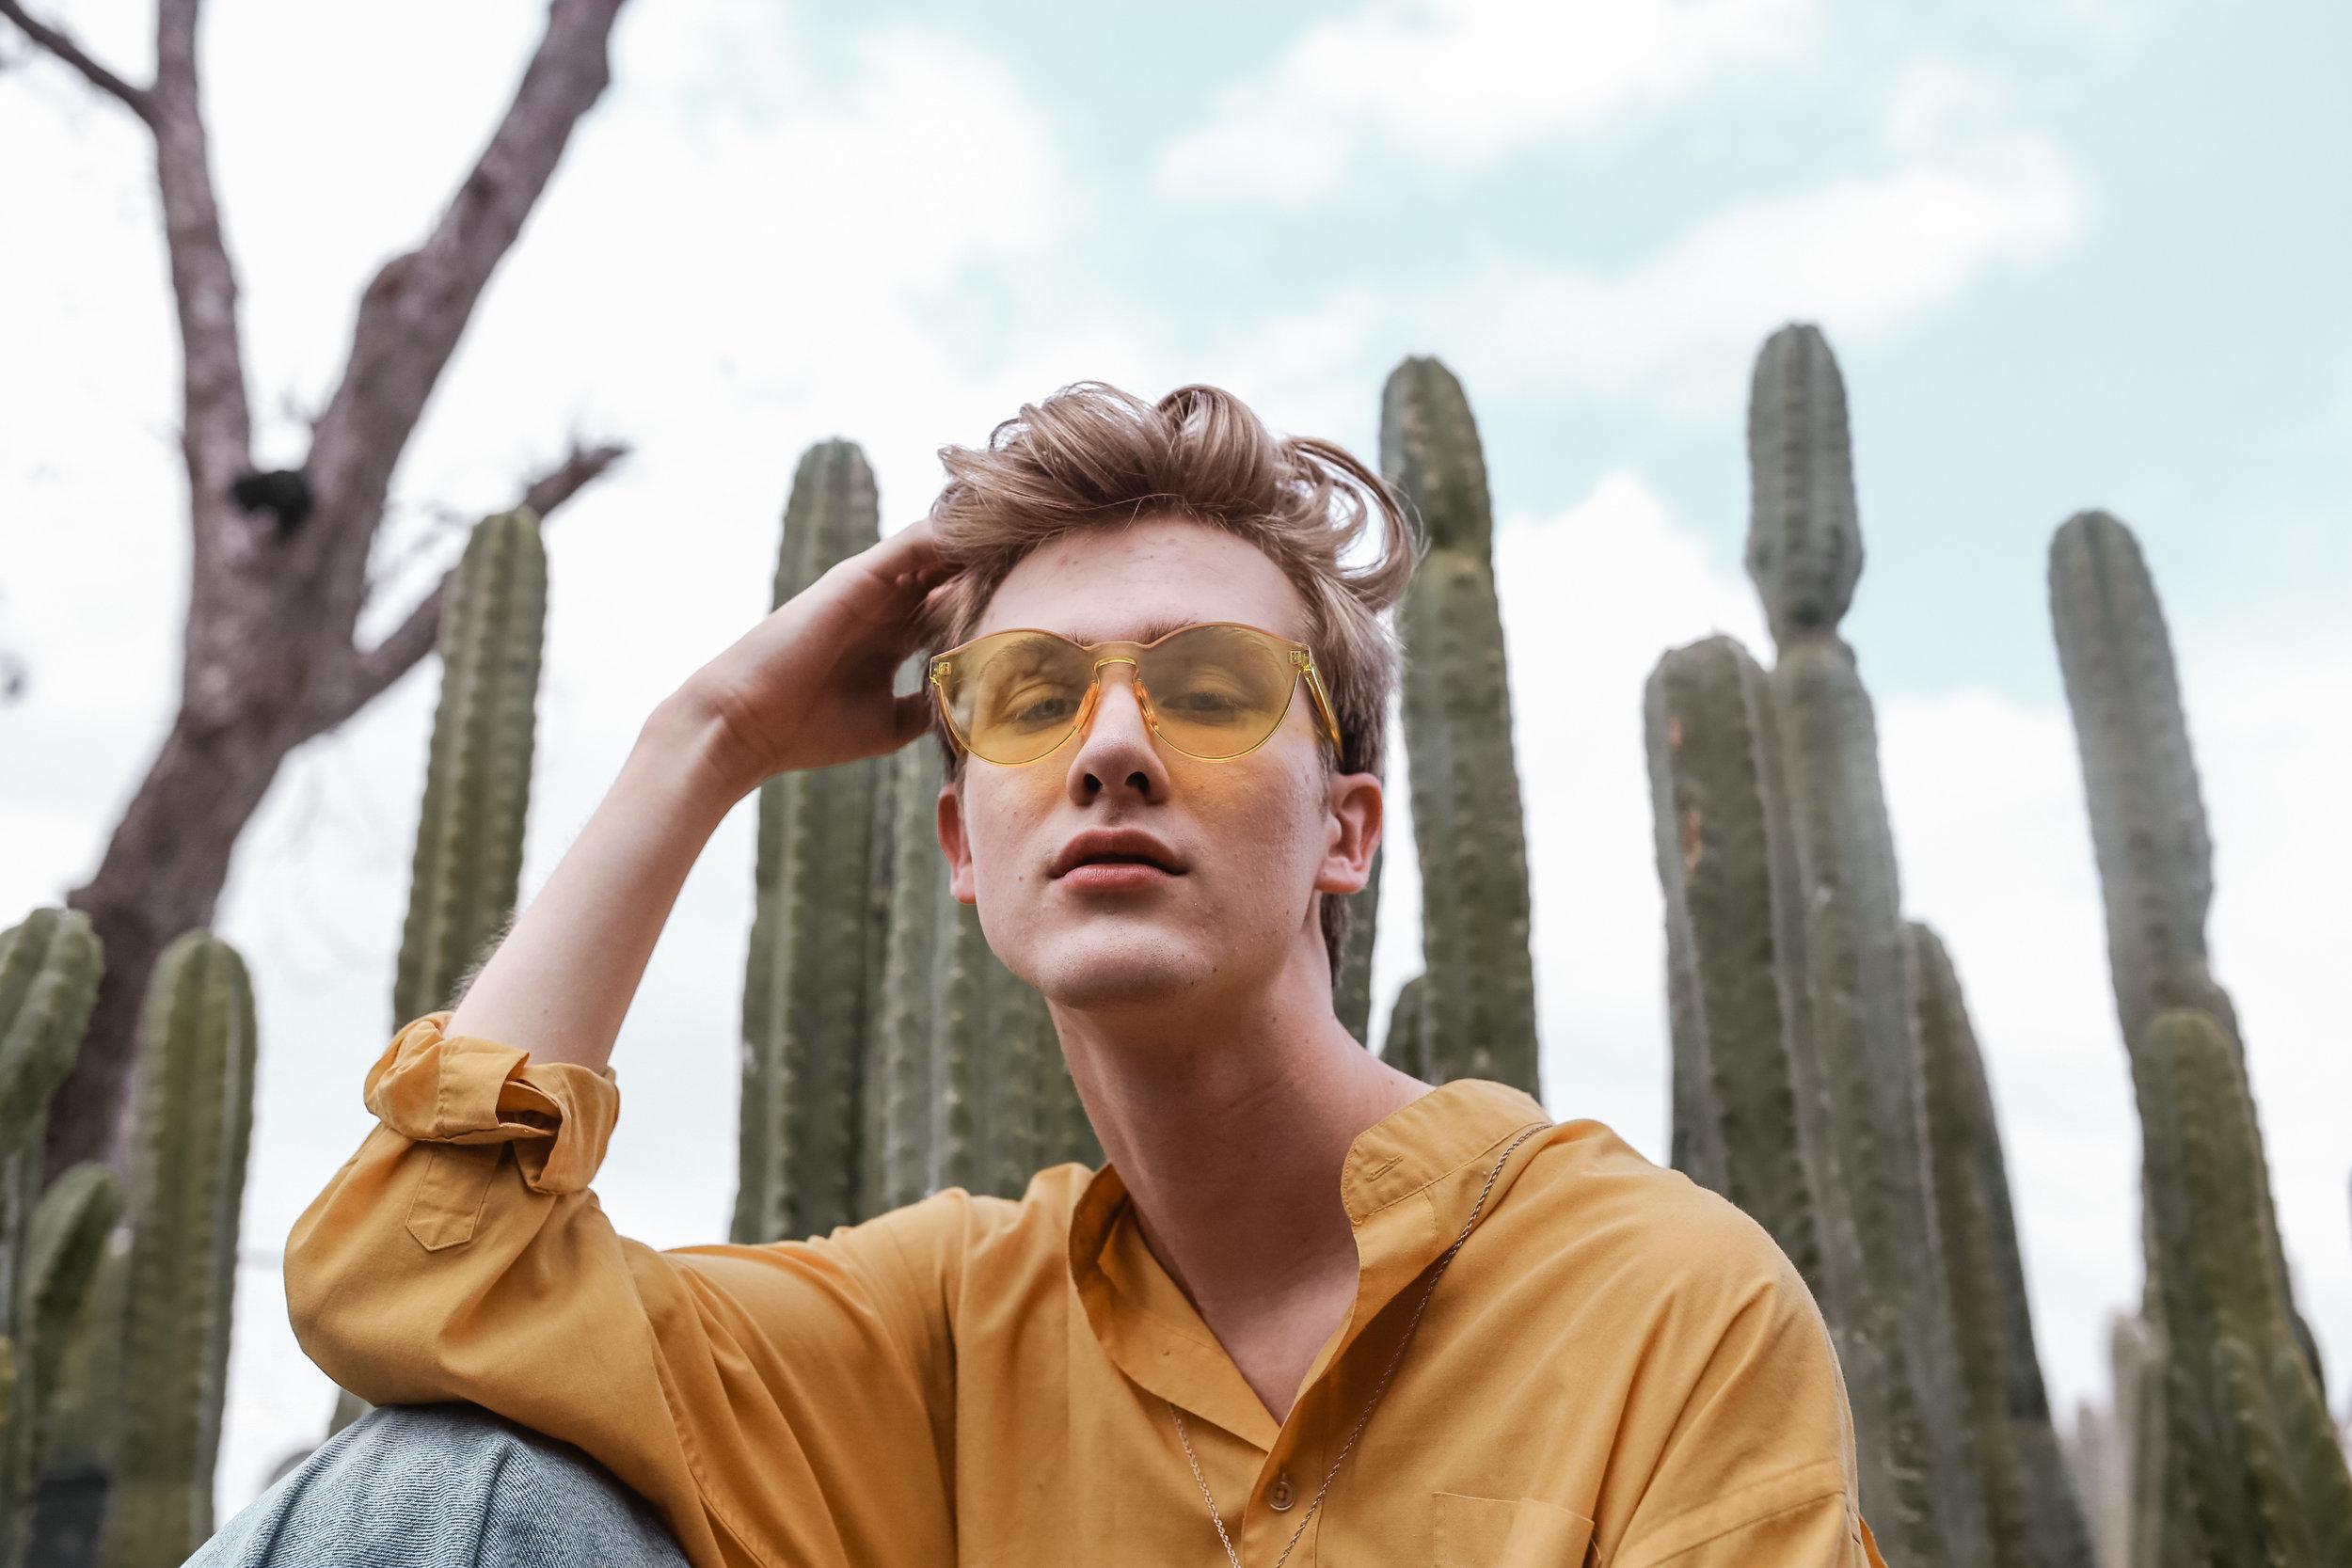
x=561, y=982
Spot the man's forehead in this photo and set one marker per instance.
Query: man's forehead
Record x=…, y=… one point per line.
x=1143, y=581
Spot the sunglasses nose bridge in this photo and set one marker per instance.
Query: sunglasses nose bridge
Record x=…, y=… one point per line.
x=1094, y=690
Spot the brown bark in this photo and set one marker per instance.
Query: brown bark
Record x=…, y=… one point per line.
x=270, y=657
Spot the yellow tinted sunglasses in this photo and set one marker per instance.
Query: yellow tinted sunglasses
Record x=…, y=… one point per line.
x=1213, y=690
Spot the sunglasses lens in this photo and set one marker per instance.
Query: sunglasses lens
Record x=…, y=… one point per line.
x=1215, y=691
x=1017, y=696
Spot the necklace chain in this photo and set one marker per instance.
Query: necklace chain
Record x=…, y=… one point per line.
x=1406, y=1338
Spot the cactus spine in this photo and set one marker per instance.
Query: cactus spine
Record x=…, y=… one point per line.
x=2254, y=1474
x=1478, y=999
x=192, y=1117
x=2035, y=1518
x=1804, y=555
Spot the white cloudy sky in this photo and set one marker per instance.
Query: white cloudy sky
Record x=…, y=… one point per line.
x=2070, y=255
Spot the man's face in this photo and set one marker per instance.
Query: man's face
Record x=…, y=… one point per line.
x=1257, y=836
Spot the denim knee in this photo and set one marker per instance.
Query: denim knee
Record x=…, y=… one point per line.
x=443, y=1486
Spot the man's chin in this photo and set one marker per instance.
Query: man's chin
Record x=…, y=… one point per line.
x=1116, y=970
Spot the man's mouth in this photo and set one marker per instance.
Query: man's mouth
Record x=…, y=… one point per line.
x=1115, y=874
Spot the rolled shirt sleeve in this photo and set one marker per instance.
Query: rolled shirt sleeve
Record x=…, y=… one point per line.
x=785, y=1403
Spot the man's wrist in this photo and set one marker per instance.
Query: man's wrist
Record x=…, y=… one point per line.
x=686, y=740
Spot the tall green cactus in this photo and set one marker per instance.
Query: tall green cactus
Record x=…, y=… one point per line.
x=2099, y=1447
x=806, y=984
x=49, y=968
x=900, y=1045
x=468, y=857
x=2034, y=1515
x=1401, y=1047
x=2148, y=829
x=2141, y=1352
x=1479, y=993
x=1804, y=555
x=81, y=1418
x=1750, y=1104
x=1745, y=1095
x=192, y=1118
x=2252, y=1472
x=465, y=872
x=63, y=1250
x=7, y=1412
x=1351, y=990
x=878, y=885
x=888, y=1052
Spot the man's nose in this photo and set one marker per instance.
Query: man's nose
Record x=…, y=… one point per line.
x=1117, y=703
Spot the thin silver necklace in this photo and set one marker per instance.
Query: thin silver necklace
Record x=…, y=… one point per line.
x=1406, y=1339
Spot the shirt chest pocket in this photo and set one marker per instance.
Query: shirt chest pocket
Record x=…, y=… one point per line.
x=1505, y=1532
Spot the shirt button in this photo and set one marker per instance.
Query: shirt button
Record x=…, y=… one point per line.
x=1279, y=1495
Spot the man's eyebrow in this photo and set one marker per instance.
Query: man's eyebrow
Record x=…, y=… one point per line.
x=1150, y=632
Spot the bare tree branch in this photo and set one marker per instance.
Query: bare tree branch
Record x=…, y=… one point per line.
x=416, y=308
x=216, y=420
x=367, y=674
x=55, y=40
x=280, y=560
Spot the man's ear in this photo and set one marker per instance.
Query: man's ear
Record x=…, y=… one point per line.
x=955, y=846
x=1354, y=832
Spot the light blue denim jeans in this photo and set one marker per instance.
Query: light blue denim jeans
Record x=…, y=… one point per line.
x=443, y=1486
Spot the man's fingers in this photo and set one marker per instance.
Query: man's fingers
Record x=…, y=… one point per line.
x=912, y=546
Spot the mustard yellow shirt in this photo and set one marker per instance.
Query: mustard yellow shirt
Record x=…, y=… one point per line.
x=1618, y=1367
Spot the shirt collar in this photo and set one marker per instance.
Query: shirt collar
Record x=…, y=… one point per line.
x=1409, y=1183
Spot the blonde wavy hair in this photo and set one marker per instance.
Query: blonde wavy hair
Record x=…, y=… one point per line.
x=1093, y=456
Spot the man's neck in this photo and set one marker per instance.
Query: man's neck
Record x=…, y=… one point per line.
x=1230, y=1127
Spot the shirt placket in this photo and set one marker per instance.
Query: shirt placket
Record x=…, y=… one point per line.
x=1157, y=1337
x=1287, y=1482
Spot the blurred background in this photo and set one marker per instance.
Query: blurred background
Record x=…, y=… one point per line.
x=2070, y=254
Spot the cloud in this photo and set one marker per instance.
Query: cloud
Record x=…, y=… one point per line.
x=1451, y=86
x=1951, y=190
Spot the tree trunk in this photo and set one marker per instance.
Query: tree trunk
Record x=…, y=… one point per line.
x=278, y=566
x=162, y=875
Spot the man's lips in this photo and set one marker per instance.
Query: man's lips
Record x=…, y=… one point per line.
x=1114, y=876
x=1115, y=845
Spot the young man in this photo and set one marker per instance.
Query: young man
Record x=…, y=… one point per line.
x=1309, y=1310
